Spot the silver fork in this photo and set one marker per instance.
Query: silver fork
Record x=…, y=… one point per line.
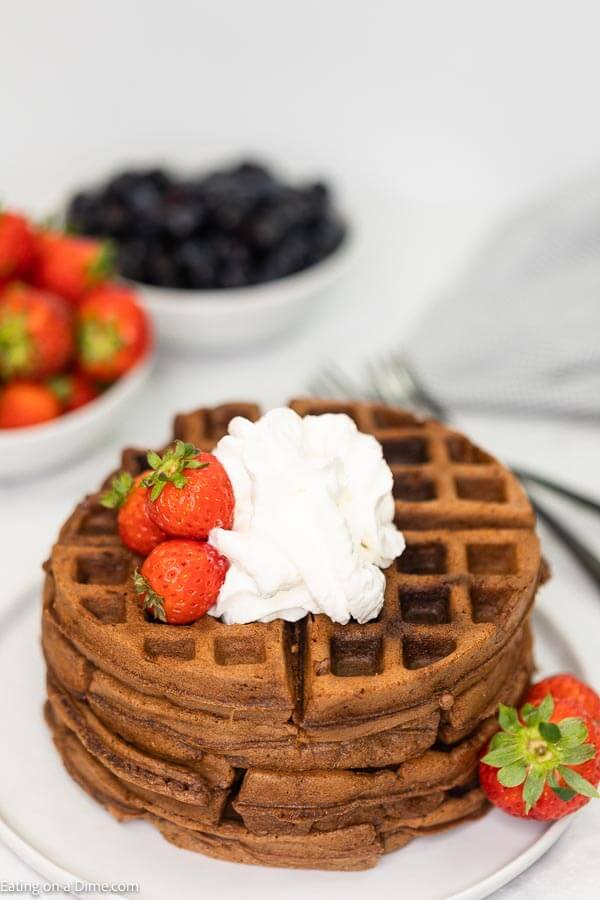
x=391, y=381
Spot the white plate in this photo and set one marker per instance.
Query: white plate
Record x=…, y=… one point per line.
x=47, y=820
x=229, y=318
x=26, y=451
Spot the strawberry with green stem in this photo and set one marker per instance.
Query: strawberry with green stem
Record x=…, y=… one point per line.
x=565, y=686
x=36, y=332
x=190, y=492
x=113, y=332
x=136, y=529
x=543, y=763
x=180, y=580
x=73, y=390
x=70, y=265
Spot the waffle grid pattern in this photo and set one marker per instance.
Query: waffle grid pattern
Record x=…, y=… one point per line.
x=453, y=596
x=306, y=744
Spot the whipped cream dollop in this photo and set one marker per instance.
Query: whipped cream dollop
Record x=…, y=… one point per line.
x=313, y=522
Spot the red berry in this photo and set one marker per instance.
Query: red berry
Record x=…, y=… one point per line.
x=180, y=580
x=566, y=687
x=136, y=529
x=36, y=333
x=545, y=762
x=73, y=390
x=16, y=245
x=70, y=265
x=190, y=492
x=112, y=332
x=24, y=403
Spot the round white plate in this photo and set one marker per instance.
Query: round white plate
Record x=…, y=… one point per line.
x=47, y=820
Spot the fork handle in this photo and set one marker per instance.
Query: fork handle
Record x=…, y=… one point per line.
x=557, y=488
x=588, y=560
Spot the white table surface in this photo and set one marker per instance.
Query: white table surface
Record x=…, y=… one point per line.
x=409, y=255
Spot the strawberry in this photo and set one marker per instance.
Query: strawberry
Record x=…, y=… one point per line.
x=24, y=403
x=136, y=529
x=190, y=492
x=71, y=265
x=567, y=687
x=73, y=390
x=180, y=580
x=36, y=332
x=112, y=332
x=16, y=245
x=544, y=762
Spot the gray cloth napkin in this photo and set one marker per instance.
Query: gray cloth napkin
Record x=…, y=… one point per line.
x=520, y=332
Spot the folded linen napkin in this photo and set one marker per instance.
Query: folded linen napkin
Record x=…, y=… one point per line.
x=520, y=331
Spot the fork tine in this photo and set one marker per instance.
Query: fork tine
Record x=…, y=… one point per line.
x=424, y=398
x=332, y=381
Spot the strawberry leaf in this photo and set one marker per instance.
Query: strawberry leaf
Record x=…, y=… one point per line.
x=171, y=467
x=120, y=489
x=154, y=459
x=550, y=732
x=153, y=602
x=578, y=755
x=546, y=708
x=530, y=714
x=504, y=756
x=508, y=719
x=578, y=783
x=533, y=787
x=563, y=793
x=573, y=732
x=502, y=739
x=511, y=776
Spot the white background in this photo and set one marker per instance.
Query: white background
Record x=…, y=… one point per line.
x=434, y=117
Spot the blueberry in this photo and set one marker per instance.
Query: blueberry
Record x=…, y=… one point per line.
x=182, y=219
x=197, y=263
x=227, y=228
x=233, y=274
x=132, y=259
x=324, y=238
x=160, y=268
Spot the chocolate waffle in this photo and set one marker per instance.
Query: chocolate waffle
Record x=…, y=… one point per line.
x=236, y=713
x=349, y=847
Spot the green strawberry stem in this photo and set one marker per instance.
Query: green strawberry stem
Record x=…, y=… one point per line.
x=16, y=347
x=533, y=751
x=120, y=489
x=104, y=263
x=170, y=467
x=153, y=602
x=98, y=341
x=61, y=386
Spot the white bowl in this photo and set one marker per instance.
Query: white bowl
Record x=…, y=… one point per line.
x=26, y=451
x=230, y=318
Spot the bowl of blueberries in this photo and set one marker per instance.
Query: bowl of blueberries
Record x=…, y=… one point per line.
x=224, y=258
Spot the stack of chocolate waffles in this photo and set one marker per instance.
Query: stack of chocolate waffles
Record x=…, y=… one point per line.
x=309, y=744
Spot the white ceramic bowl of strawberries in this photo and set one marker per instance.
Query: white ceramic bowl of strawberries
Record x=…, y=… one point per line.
x=75, y=347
